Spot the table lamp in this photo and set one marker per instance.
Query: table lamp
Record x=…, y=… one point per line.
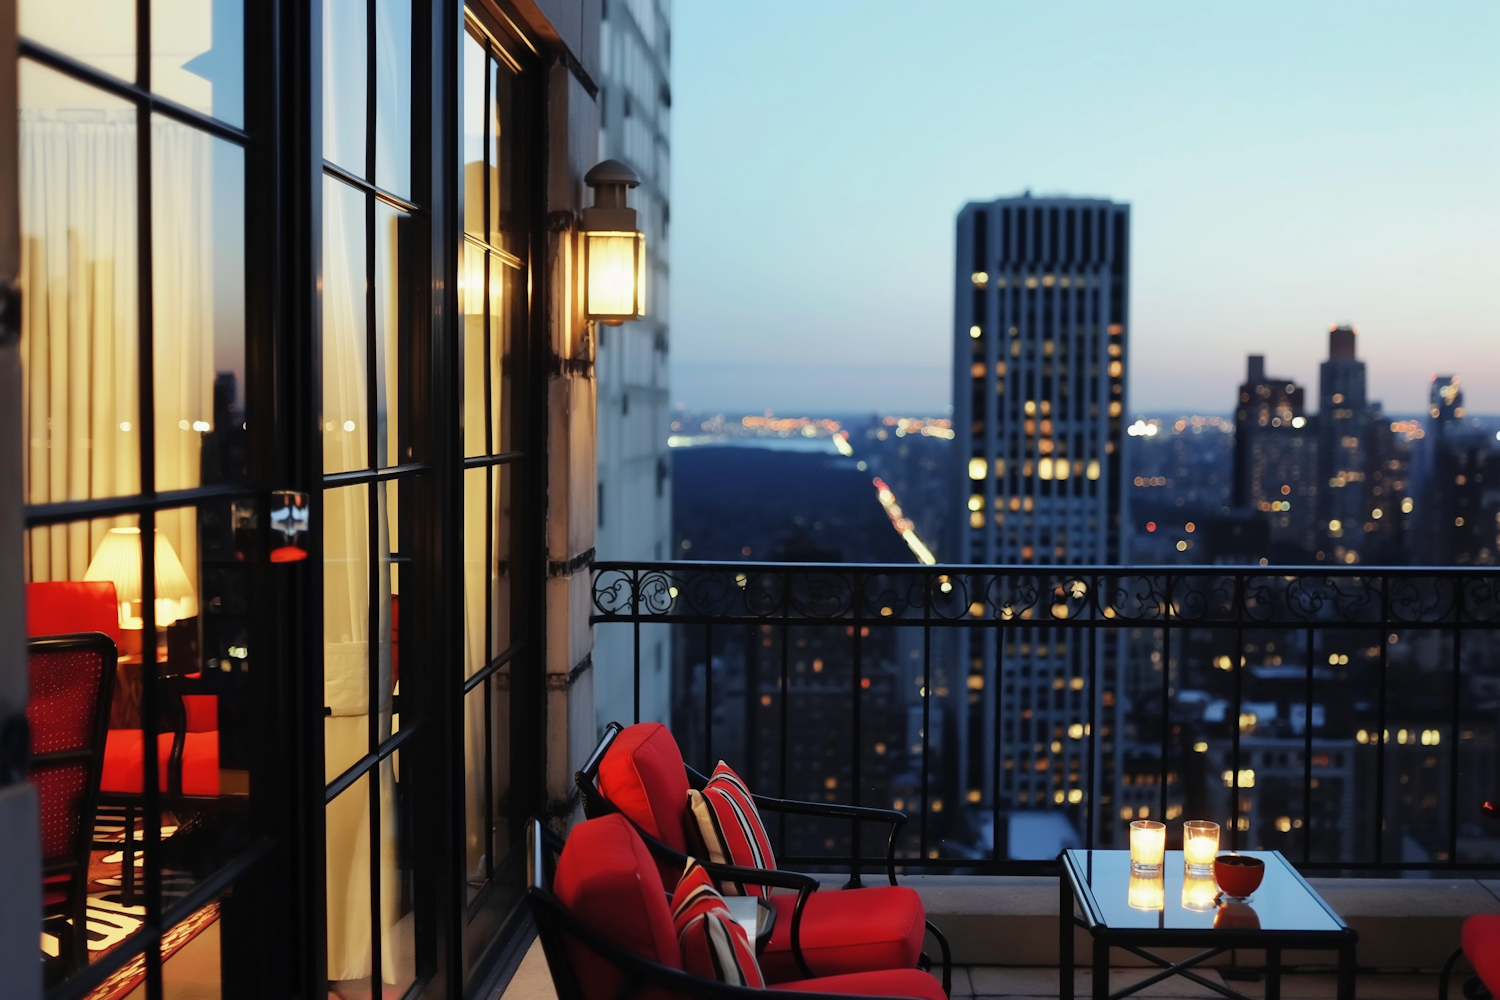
x=118, y=560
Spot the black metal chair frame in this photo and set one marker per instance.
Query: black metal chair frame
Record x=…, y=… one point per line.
x=596, y=803
x=173, y=707
x=74, y=951
x=556, y=925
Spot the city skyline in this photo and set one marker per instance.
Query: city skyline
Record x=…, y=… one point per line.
x=1278, y=190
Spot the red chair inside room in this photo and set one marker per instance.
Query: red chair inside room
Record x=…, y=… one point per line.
x=187, y=756
x=71, y=679
x=640, y=772
x=606, y=929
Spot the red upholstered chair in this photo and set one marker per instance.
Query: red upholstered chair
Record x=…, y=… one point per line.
x=1481, y=946
x=188, y=755
x=72, y=679
x=640, y=773
x=602, y=917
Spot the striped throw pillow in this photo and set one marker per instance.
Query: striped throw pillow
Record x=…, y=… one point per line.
x=730, y=829
x=713, y=943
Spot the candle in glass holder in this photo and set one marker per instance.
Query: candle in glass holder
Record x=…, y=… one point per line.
x=1199, y=892
x=1148, y=845
x=1147, y=892
x=1200, y=845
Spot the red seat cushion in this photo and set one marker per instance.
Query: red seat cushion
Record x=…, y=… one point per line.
x=606, y=878
x=643, y=775
x=1481, y=940
x=912, y=983
x=727, y=824
x=59, y=607
x=124, y=752
x=713, y=943
x=847, y=930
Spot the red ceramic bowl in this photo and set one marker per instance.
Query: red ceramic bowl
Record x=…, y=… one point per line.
x=1238, y=874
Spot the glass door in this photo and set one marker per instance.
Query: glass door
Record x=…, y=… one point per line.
x=146, y=547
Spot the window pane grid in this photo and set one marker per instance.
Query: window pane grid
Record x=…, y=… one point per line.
x=366, y=351
x=490, y=308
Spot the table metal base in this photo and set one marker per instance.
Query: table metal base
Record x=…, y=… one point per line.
x=1102, y=946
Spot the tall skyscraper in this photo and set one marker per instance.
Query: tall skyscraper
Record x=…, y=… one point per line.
x=1275, y=462
x=1455, y=472
x=1041, y=312
x=1343, y=466
x=634, y=501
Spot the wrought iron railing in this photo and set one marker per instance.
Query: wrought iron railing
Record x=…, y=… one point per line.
x=1347, y=717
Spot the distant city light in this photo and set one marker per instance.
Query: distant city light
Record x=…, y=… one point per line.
x=1299, y=421
x=1143, y=428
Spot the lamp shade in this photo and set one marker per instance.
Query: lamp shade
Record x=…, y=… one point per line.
x=118, y=560
x=616, y=275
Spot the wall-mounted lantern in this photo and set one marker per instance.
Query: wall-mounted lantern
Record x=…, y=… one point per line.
x=614, y=249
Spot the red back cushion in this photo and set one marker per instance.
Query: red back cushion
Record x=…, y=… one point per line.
x=607, y=879
x=644, y=777
x=713, y=943
x=60, y=607
x=63, y=715
x=729, y=826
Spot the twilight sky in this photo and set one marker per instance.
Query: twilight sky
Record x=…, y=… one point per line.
x=1289, y=166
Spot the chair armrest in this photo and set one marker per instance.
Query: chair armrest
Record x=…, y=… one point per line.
x=856, y=814
x=831, y=810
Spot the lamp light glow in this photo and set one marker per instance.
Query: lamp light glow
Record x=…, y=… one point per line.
x=118, y=560
x=614, y=248
x=616, y=263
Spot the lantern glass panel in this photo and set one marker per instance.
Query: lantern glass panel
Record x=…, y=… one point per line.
x=616, y=279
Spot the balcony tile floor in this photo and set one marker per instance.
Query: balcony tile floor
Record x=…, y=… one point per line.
x=991, y=982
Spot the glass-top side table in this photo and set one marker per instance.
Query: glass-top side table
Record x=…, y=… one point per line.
x=1178, y=911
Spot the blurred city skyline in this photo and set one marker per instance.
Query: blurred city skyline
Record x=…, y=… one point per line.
x=1288, y=169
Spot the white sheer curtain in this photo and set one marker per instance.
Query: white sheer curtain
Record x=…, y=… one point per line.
x=79, y=342
x=182, y=314
x=79, y=332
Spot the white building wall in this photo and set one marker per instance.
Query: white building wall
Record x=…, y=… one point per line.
x=634, y=469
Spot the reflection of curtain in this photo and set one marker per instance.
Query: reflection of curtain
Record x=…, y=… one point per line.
x=182, y=317
x=475, y=827
x=79, y=338
x=346, y=620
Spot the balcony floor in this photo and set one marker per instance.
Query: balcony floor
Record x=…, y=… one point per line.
x=990, y=982
x=993, y=981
